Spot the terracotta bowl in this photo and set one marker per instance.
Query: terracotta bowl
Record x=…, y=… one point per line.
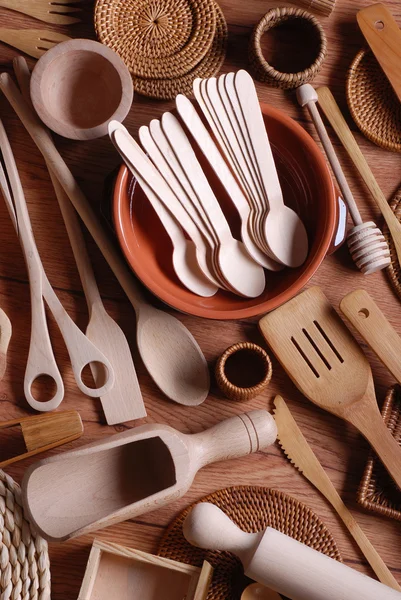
x=307, y=187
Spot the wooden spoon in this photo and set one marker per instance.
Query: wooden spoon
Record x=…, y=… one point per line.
x=168, y=350
x=5, y=336
x=257, y=591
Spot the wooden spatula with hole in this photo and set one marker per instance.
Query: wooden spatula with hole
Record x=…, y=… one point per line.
x=325, y=362
x=44, y=432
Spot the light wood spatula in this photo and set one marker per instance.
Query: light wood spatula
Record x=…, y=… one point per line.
x=34, y=42
x=56, y=12
x=43, y=432
x=301, y=455
x=328, y=366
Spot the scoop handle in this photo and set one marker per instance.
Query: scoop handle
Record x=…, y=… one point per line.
x=234, y=437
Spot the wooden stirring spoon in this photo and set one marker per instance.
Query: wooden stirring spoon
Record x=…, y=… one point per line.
x=5, y=336
x=124, y=401
x=169, y=351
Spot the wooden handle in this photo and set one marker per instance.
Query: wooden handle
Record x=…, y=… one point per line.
x=307, y=96
x=46, y=146
x=339, y=124
x=280, y=562
x=384, y=38
x=364, y=314
x=234, y=437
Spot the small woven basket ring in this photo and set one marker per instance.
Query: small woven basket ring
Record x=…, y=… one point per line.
x=393, y=271
x=155, y=44
x=24, y=564
x=373, y=103
x=252, y=509
x=210, y=65
x=266, y=72
x=242, y=393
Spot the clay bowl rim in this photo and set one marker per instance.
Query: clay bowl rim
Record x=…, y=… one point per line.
x=264, y=306
x=71, y=131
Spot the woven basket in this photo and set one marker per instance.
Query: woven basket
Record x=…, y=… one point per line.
x=24, y=559
x=373, y=103
x=252, y=509
x=394, y=270
x=377, y=491
x=267, y=73
x=234, y=392
x=157, y=38
x=210, y=65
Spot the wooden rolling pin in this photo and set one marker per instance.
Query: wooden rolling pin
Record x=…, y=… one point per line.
x=280, y=562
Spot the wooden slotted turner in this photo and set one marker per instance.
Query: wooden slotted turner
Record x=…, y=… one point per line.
x=328, y=366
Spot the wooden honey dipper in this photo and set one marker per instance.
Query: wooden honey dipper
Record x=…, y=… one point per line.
x=366, y=243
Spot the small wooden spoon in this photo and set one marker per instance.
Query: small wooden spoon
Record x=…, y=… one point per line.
x=257, y=591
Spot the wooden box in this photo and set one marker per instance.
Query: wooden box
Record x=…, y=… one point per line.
x=121, y=573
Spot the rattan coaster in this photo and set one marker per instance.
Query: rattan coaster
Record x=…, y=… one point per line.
x=394, y=271
x=377, y=491
x=373, y=103
x=24, y=559
x=157, y=38
x=265, y=72
x=210, y=65
x=252, y=509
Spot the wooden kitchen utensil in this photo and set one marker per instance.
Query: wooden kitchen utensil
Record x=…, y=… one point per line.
x=137, y=574
x=168, y=350
x=366, y=243
x=44, y=432
x=131, y=473
x=301, y=455
x=5, y=336
x=384, y=38
x=45, y=10
x=367, y=318
x=34, y=42
x=41, y=360
x=256, y=591
x=340, y=126
x=328, y=366
x=124, y=401
x=280, y=562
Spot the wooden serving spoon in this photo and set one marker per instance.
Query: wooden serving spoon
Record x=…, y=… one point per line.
x=169, y=351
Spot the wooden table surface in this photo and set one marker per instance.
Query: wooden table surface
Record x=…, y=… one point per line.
x=339, y=447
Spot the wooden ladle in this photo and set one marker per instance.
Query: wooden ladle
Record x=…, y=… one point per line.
x=168, y=350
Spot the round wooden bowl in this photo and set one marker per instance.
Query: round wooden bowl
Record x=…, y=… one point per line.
x=243, y=371
x=78, y=86
x=307, y=188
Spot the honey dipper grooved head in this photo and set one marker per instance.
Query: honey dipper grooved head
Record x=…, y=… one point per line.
x=368, y=248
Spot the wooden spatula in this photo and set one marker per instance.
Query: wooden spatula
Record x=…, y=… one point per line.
x=325, y=362
x=384, y=38
x=46, y=431
x=5, y=336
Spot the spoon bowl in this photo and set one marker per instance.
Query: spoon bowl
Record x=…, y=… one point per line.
x=290, y=249
x=256, y=591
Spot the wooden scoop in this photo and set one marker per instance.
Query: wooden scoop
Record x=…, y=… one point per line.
x=43, y=432
x=328, y=366
x=5, y=336
x=132, y=473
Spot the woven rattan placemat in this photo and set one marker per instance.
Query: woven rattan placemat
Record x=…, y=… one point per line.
x=210, y=65
x=377, y=491
x=157, y=38
x=252, y=509
x=24, y=559
x=373, y=103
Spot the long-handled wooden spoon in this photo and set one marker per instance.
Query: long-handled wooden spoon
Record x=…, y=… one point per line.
x=340, y=126
x=168, y=350
x=124, y=401
x=5, y=336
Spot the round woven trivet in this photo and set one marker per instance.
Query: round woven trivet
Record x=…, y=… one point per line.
x=394, y=271
x=157, y=38
x=252, y=509
x=267, y=73
x=210, y=65
x=24, y=559
x=234, y=392
x=373, y=103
